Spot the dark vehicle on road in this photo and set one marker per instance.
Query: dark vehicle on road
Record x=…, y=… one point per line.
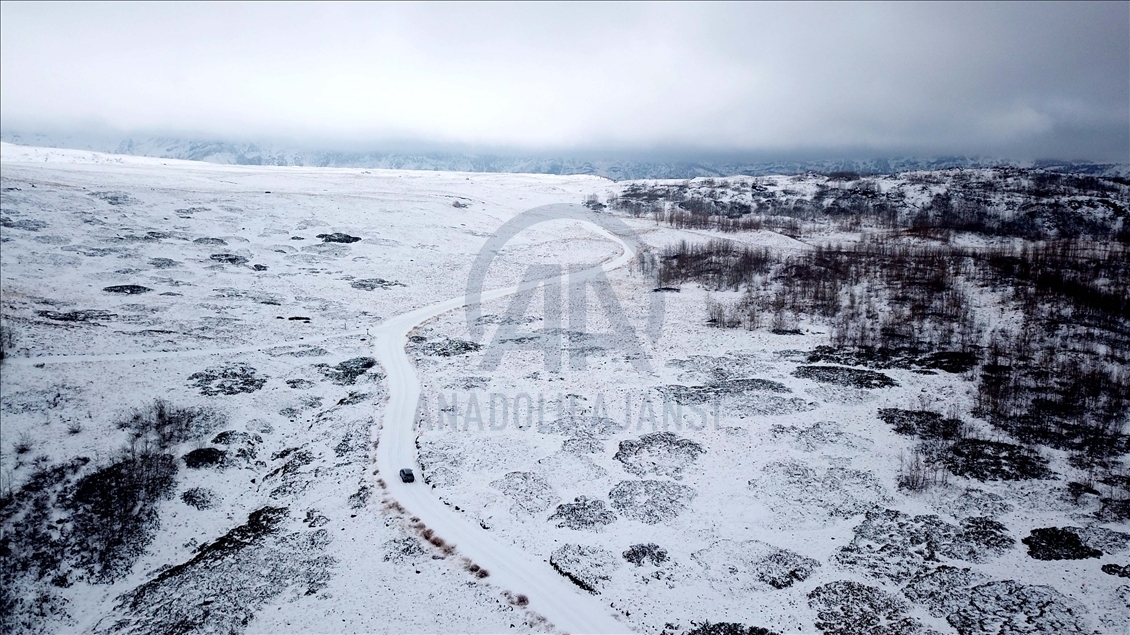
x=406, y=475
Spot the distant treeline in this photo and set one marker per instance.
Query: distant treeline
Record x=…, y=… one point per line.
x=1005, y=202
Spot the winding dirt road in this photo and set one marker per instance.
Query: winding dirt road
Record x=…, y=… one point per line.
x=551, y=595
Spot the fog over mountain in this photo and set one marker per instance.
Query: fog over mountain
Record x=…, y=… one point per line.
x=616, y=168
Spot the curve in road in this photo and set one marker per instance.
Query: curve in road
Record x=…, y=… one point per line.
x=550, y=594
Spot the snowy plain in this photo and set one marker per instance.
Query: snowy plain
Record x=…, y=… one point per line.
x=601, y=517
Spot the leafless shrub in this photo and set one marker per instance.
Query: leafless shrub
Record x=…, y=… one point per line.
x=718, y=264
x=8, y=340
x=23, y=444
x=166, y=425
x=918, y=474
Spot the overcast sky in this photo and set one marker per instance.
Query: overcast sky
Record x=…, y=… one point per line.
x=1001, y=79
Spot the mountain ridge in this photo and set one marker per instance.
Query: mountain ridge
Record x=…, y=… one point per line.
x=233, y=153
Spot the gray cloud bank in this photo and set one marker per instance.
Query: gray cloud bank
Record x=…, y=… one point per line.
x=813, y=80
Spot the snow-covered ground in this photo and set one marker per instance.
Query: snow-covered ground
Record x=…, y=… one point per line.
x=277, y=300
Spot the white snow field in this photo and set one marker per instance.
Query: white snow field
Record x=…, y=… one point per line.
x=308, y=332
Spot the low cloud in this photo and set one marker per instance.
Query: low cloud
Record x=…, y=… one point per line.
x=1021, y=80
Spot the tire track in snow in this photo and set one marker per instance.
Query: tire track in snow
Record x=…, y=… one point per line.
x=550, y=594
